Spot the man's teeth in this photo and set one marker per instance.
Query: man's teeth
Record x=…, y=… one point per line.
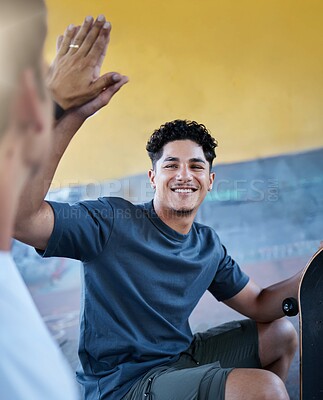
x=184, y=190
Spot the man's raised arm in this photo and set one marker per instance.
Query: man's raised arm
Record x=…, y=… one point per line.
x=75, y=83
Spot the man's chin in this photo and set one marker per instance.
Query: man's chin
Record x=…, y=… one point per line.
x=183, y=212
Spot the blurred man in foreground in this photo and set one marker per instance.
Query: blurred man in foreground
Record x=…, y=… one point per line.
x=31, y=365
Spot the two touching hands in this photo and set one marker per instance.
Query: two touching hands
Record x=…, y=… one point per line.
x=74, y=76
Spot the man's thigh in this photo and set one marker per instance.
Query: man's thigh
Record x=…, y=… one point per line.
x=206, y=382
x=202, y=370
x=234, y=344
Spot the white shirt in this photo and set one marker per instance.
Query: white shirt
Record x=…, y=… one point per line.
x=32, y=366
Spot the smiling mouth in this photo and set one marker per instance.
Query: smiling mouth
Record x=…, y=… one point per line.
x=184, y=190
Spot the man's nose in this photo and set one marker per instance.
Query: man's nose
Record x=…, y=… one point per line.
x=184, y=174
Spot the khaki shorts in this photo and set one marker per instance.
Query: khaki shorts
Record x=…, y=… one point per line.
x=202, y=370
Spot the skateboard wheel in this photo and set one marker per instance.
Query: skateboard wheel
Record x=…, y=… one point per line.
x=290, y=307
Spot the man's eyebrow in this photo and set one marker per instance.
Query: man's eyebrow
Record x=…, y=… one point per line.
x=192, y=160
x=171, y=159
x=197, y=160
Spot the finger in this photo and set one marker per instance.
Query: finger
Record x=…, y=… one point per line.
x=71, y=38
x=107, y=95
x=118, y=85
x=100, y=101
x=104, y=47
x=104, y=98
x=99, y=49
x=76, y=31
x=59, y=42
x=68, y=36
x=81, y=34
x=92, y=35
x=105, y=81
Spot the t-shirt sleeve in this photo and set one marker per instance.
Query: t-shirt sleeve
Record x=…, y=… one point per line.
x=81, y=230
x=229, y=279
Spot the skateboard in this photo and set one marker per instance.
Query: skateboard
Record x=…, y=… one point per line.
x=310, y=306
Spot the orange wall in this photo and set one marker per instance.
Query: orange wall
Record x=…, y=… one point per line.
x=251, y=70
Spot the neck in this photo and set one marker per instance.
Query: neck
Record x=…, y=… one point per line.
x=13, y=176
x=180, y=221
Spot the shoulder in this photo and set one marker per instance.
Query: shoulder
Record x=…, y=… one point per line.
x=116, y=202
x=102, y=208
x=122, y=209
x=207, y=232
x=119, y=203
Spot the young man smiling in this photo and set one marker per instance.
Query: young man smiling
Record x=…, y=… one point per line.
x=181, y=173
x=145, y=268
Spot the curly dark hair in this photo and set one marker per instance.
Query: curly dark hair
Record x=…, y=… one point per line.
x=181, y=130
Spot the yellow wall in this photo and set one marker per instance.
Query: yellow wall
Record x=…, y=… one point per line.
x=251, y=70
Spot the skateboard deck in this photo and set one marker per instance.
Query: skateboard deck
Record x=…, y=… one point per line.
x=310, y=300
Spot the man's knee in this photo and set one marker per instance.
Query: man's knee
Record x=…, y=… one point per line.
x=272, y=388
x=254, y=384
x=290, y=334
x=279, y=334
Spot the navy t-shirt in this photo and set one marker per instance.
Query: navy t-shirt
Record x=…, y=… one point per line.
x=142, y=280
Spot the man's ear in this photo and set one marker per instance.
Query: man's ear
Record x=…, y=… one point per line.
x=211, y=181
x=26, y=105
x=151, y=176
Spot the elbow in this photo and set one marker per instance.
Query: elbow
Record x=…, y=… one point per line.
x=264, y=315
x=264, y=319
x=19, y=231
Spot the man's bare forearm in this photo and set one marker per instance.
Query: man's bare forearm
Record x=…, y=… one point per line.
x=35, y=218
x=265, y=305
x=270, y=299
x=37, y=187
